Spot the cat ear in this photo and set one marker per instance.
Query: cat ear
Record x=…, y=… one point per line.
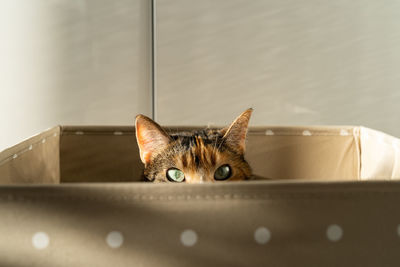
x=150, y=137
x=235, y=134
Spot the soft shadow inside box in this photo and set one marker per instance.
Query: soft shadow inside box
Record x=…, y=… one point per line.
x=68, y=154
x=33, y=161
x=99, y=154
x=110, y=154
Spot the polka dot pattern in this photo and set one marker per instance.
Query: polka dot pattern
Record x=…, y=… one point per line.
x=40, y=240
x=344, y=132
x=188, y=238
x=29, y=148
x=115, y=239
x=262, y=235
x=334, y=232
x=269, y=132
x=307, y=133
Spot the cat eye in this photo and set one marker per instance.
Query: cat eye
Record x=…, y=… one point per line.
x=175, y=175
x=223, y=172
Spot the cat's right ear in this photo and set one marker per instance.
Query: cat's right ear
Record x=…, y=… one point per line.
x=235, y=134
x=150, y=137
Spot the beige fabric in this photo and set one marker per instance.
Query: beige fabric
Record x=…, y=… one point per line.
x=311, y=153
x=324, y=222
x=33, y=161
x=99, y=154
x=110, y=154
x=380, y=155
x=152, y=218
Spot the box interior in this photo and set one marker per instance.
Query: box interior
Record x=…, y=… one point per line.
x=66, y=154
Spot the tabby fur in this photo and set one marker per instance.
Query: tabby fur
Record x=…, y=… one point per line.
x=198, y=154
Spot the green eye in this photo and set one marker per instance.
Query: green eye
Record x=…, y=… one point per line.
x=175, y=175
x=223, y=172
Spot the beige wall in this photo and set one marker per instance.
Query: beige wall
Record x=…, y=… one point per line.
x=295, y=62
x=72, y=62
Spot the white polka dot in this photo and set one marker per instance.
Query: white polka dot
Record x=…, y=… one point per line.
x=306, y=133
x=79, y=133
x=40, y=240
x=55, y=134
x=262, y=235
x=43, y=141
x=15, y=156
x=269, y=132
x=334, y=232
x=189, y=238
x=118, y=133
x=344, y=132
x=115, y=239
x=30, y=147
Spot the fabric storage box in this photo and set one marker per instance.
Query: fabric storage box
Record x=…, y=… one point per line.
x=70, y=196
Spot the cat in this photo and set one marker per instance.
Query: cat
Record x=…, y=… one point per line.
x=208, y=155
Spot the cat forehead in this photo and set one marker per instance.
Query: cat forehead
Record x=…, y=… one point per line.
x=196, y=156
x=203, y=138
x=207, y=133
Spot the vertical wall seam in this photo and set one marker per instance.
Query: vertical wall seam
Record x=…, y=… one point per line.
x=153, y=62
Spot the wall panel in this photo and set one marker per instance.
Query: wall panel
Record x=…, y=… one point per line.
x=295, y=62
x=72, y=62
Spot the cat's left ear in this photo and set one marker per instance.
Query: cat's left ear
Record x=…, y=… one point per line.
x=150, y=137
x=235, y=134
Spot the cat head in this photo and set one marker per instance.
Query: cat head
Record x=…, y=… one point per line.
x=207, y=155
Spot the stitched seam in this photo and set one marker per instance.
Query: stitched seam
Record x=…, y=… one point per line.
x=26, y=149
x=353, y=196
x=257, y=133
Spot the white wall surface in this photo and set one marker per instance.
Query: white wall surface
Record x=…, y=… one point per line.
x=72, y=62
x=295, y=62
